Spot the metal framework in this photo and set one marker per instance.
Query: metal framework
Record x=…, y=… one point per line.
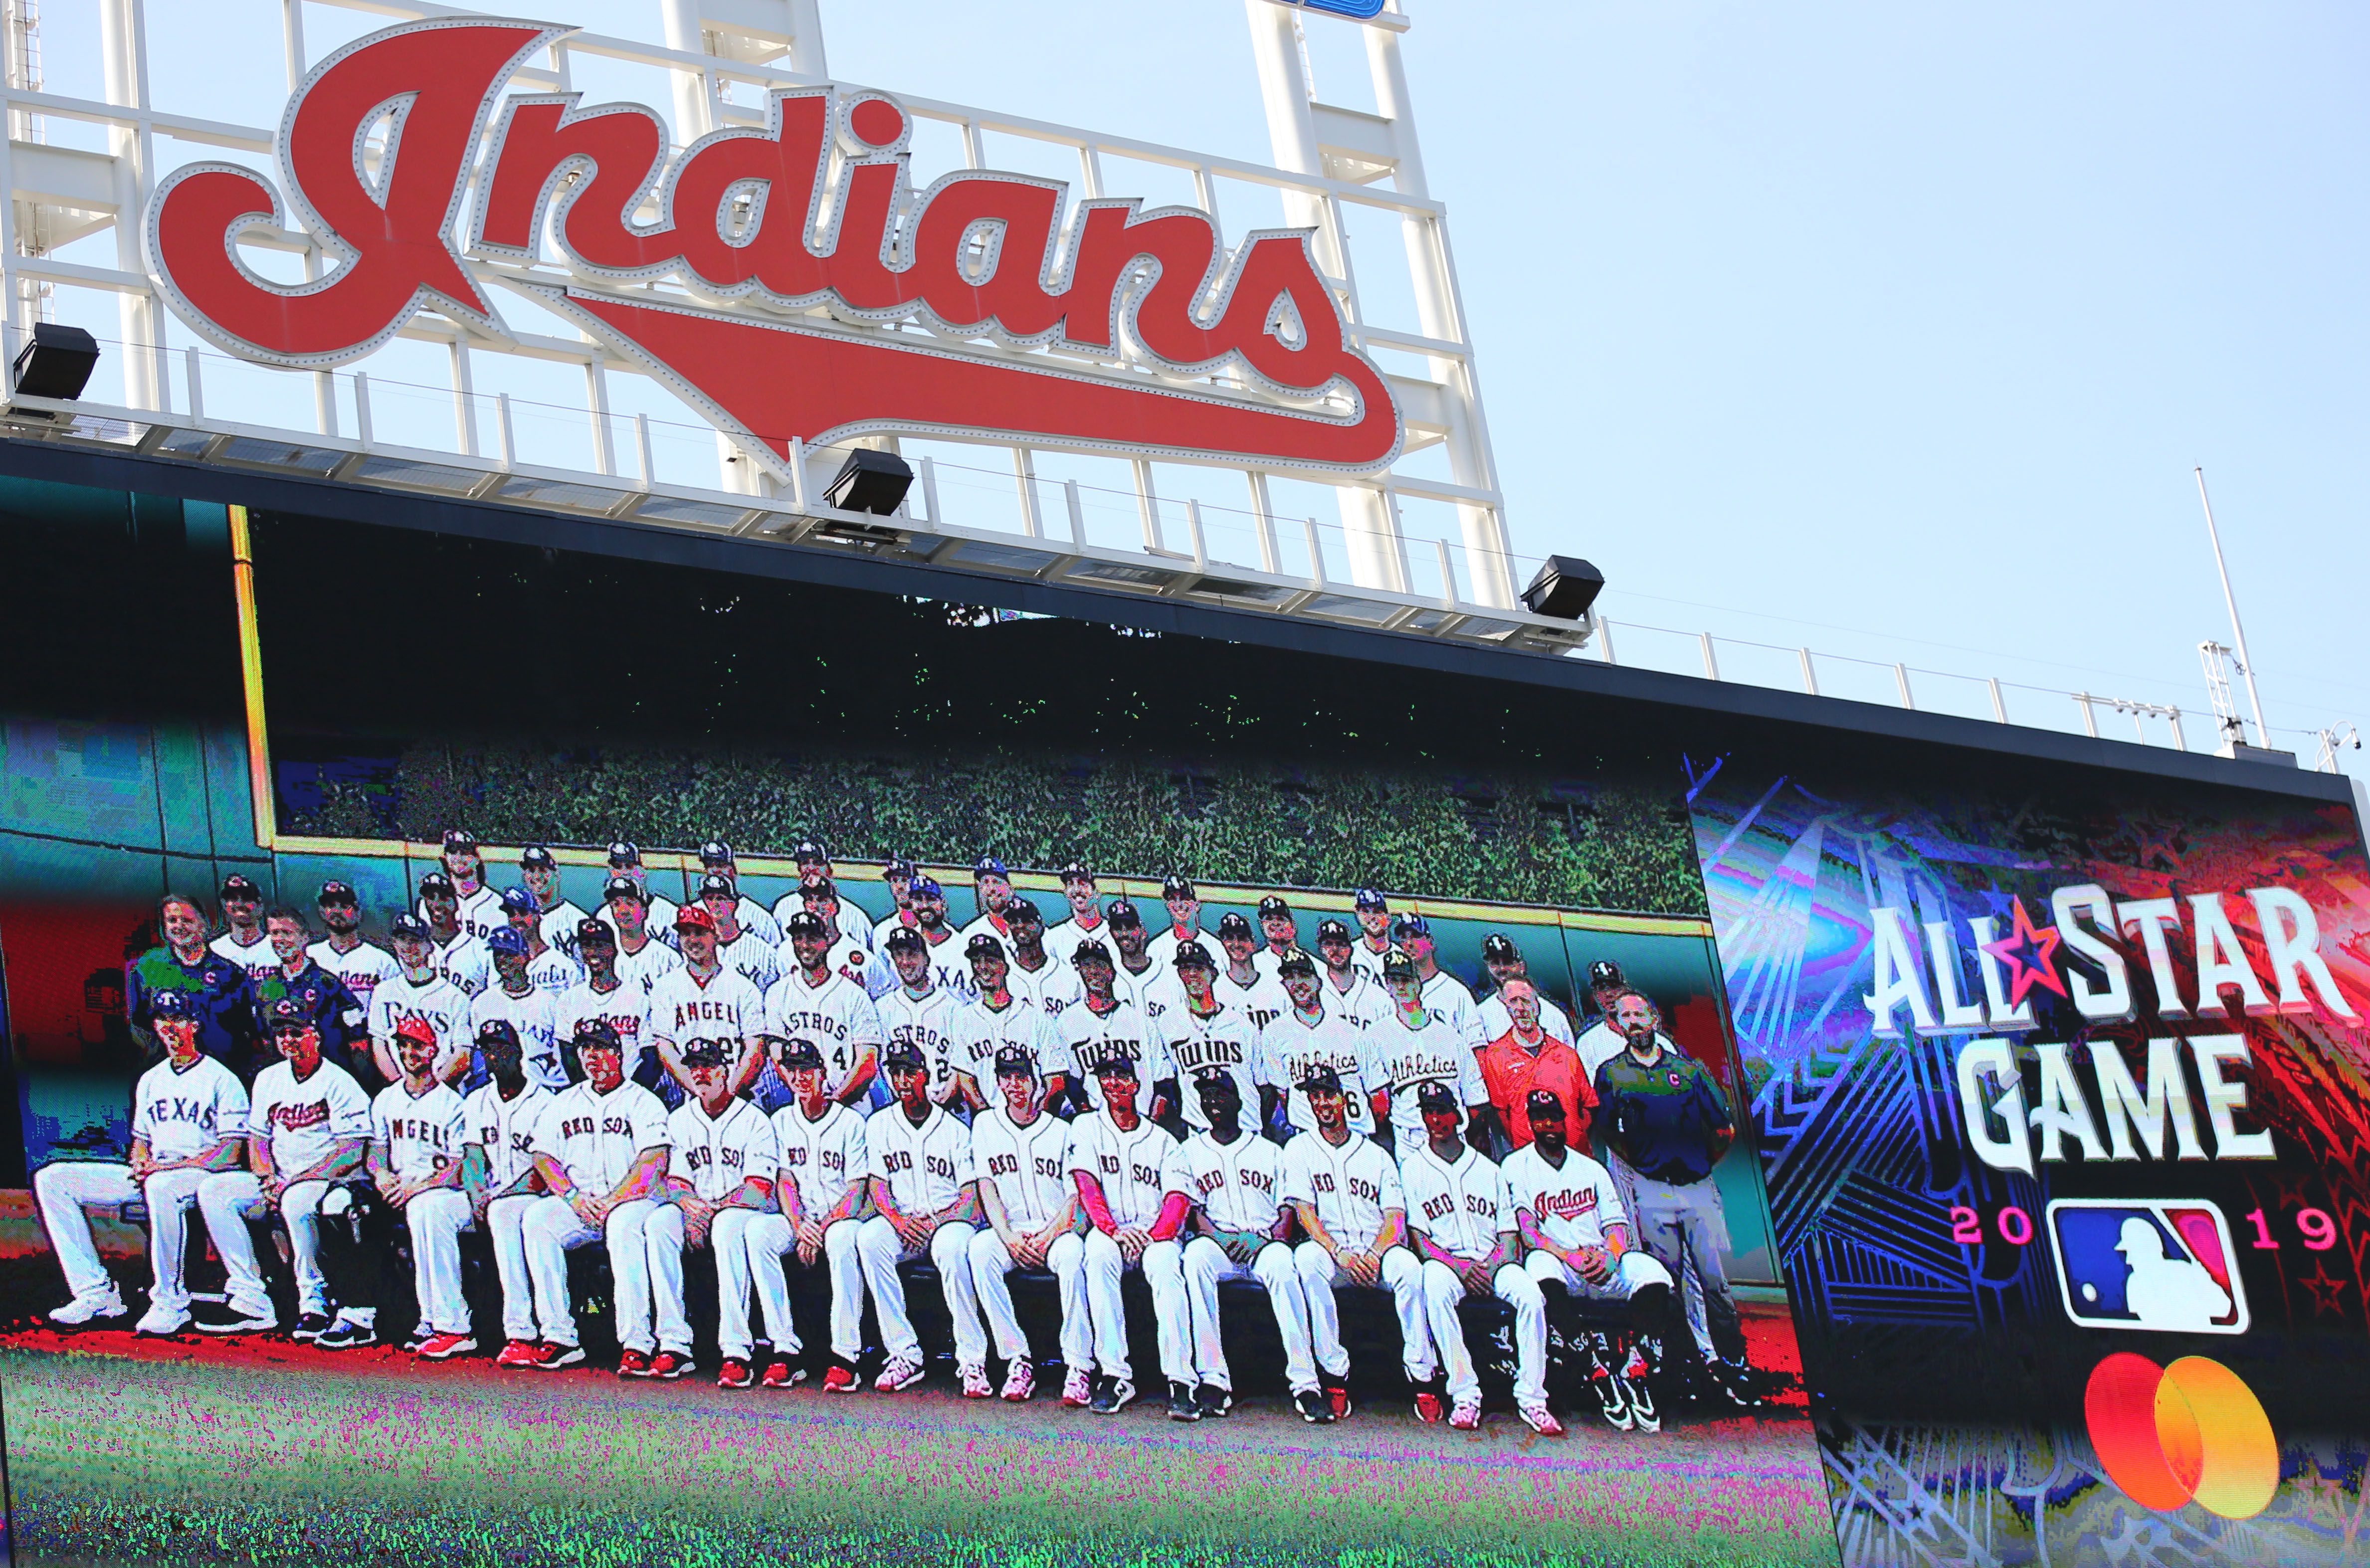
x=720, y=56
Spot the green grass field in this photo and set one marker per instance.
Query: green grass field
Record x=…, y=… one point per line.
x=188, y=1454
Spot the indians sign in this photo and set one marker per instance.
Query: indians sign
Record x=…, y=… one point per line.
x=805, y=263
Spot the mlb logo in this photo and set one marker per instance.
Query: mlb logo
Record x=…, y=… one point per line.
x=2164, y=1265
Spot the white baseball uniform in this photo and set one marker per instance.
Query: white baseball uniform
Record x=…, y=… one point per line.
x=837, y=1016
x=256, y=957
x=1399, y=1061
x=925, y=1169
x=1352, y=1186
x=423, y=1134
x=723, y=1007
x=645, y=968
x=1363, y=1003
x=479, y=911
x=1130, y=1168
x=505, y=1130
x=1368, y=957
x=435, y=1001
x=1450, y=998
x=1029, y=1168
x=552, y=972
x=1495, y=1022
x=1461, y=1206
x=752, y=958
x=361, y=967
x=978, y=1032
x=558, y=928
x=1238, y=1186
x=1227, y=1040
x=303, y=1121
x=715, y=1156
x=533, y=1015
x=926, y=1023
x=463, y=962
x=855, y=925
x=1051, y=986
x=759, y=922
x=1263, y=1000
x=1062, y=939
x=1573, y=1204
x=1165, y=942
x=1154, y=986
x=596, y=1138
x=1126, y=1029
x=1295, y=1046
x=821, y=1159
x=625, y=1008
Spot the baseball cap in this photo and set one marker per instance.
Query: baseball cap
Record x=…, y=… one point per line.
x=906, y=937
x=460, y=839
x=808, y=849
x=819, y=889
x=715, y=852
x=797, y=1054
x=1021, y=912
x=1542, y=1099
x=704, y=1054
x=1397, y=965
x=1091, y=947
x=989, y=866
x=1174, y=886
x=624, y=852
x=623, y=887
x=497, y=1032
x=419, y=1029
x=1235, y=925
x=983, y=946
x=1295, y=958
x=1211, y=1076
x=1273, y=905
x=1334, y=931
x=1320, y=1075
x=335, y=893
x=538, y=857
x=591, y=932
x=437, y=883
x=1434, y=1096
x=502, y=940
x=238, y=886
x=902, y=1053
x=898, y=866
x=695, y=918
x=172, y=1004
x=407, y=925
x=806, y=923
x=595, y=1034
x=1605, y=972
x=1122, y=912
x=518, y=901
x=287, y=1012
x=1371, y=898
x=1114, y=1064
x=1015, y=1061
x=1191, y=954
x=1410, y=926
x=1499, y=947
x=1076, y=871
x=926, y=887
x=715, y=886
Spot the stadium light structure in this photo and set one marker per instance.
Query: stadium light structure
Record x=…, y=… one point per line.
x=57, y=362
x=1564, y=589
x=870, y=481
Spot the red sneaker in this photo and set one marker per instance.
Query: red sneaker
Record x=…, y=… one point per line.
x=782, y=1375
x=667, y=1364
x=839, y=1381
x=549, y=1357
x=633, y=1363
x=518, y=1352
x=1428, y=1406
x=444, y=1347
x=733, y=1374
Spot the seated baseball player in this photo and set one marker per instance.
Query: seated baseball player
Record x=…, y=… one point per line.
x=1344, y=1191
x=188, y=1114
x=1465, y=1233
x=821, y=1187
x=307, y=1124
x=601, y=1148
x=1231, y=1176
x=1569, y=1214
x=498, y=1177
x=720, y=1178
x=1119, y=1158
x=1019, y=1151
x=414, y=1161
x=922, y=1189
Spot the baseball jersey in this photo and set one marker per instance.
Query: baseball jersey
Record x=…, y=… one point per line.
x=505, y=1128
x=845, y=957
x=436, y=1002
x=713, y=1155
x=1461, y=1204
x=1132, y=1168
x=756, y=921
x=1295, y=1046
x=1450, y=998
x=978, y=1032
x=1399, y=1061
x=648, y=966
x=1572, y=1204
x=821, y=1159
x=479, y=913
x=752, y=958
x=1369, y=957
x=1600, y=1043
x=1224, y=1040
x=657, y=919
x=303, y=1121
x=421, y=1132
x=925, y=1167
x=1165, y=942
x=989, y=925
x=1351, y=1186
x=256, y=957
x=596, y=1137
x=464, y=960
x=1237, y=1185
x=1028, y=1165
x=1128, y=1031
x=837, y=1016
x=927, y=1023
x=726, y=1008
x=361, y=968
x=1496, y=1022
x=625, y=1008
x=1262, y=999
x=1268, y=958
x=1062, y=941
x=552, y=972
x=948, y=968
x=180, y=1112
x=558, y=928
x=219, y=986
x=1051, y=986
x=536, y=1016
x=1156, y=990
x=1363, y=1003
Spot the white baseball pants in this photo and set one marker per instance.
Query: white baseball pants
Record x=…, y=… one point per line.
x=506, y=1226
x=1206, y=1267
x=991, y=1270
x=1164, y=1270
x=879, y=1248
x=229, y=1199
x=64, y=1190
x=1320, y=1277
x=728, y=1239
x=552, y=1230
x=436, y=1218
x=1443, y=1289
x=768, y=1242
x=1633, y=1274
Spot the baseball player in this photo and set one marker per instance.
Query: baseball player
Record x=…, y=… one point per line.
x=642, y=958
x=1243, y=981
x=1608, y=1037
x=992, y=885
x=1464, y=1229
x=188, y=1114
x=1151, y=981
x=1020, y=1156
x=1443, y=993
x=814, y=870
x=1207, y=1034
x=1104, y=1023
x=1527, y=1057
x=417, y=991
x=1047, y=982
x=926, y=1200
x=1119, y=1161
x=1085, y=920
x=626, y=861
x=461, y=958
x=609, y=997
x=738, y=947
x=527, y=1006
x=717, y=859
x=720, y=1178
x=1279, y=933
x=216, y=989
x=1234, y=1179
x=1350, y=990
x=1344, y=1191
x=981, y=1031
x=849, y=954
x=952, y=969
x=918, y=1011
x=601, y=1148
x=822, y=1188
x=1569, y=1214
x=1184, y=906
x=1373, y=945
x=333, y=1009
x=1316, y=1031
x=243, y=941
x=539, y=869
x=815, y=1000
x=704, y=1000
x=476, y=903
x=554, y=972
x=498, y=1124
x=899, y=875
x=344, y=952
x=1504, y=962
x=414, y=1161
x=1411, y=1047
x=307, y=1124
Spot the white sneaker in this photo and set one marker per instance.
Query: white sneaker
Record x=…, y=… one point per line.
x=1465, y=1415
x=159, y=1323
x=83, y=1308
x=1541, y=1420
x=975, y=1385
x=899, y=1373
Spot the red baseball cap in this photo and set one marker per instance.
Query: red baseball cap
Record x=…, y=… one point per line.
x=418, y=1029
x=693, y=914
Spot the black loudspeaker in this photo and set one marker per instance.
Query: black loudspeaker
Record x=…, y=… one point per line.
x=870, y=481
x=1564, y=588
x=57, y=362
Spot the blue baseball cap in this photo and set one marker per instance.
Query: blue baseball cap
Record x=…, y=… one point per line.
x=1372, y=898
x=989, y=866
x=173, y=1004
x=501, y=939
x=1411, y=926
x=926, y=887
x=407, y=925
x=518, y=901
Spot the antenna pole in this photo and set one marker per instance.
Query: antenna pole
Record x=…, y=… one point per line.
x=2238, y=632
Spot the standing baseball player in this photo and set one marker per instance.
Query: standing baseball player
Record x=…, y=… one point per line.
x=899, y=875
x=919, y=1012
x=1119, y=1158
x=461, y=958
x=498, y=1175
x=947, y=965
x=1351, y=992
x=418, y=991
x=1569, y=1214
x=719, y=1179
x=1279, y=933
x=745, y=952
x=704, y=1000
x=1244, y=981
x=982, y=1030
x=526, y=1006
x=216, y=989
x=307, y=1126
x=815, y=1000
x=925, y=1201
x=1020, y=1156
x=821, y=1187
x=1313, y=1032
x=1085, y=920
x=815, y=869
x=1411, y=1047
x=626, y=861
x=1444, y=996
x=1104, y=1023
x=414, y=1163
x=332, y=1009
x=1504, y=962
x=189, y=1112
x=1149, y=980
x=850, y=955
x=478, y=905
x=1206, y=1034
x=1343, y=1189
x=1184, y=906
x=243, y=941
x=1048, y=982
x=601, y=1148
x=642, y=958
x=612, y=999
x=992, y=886
x=539, y=869
x=555, y=974
x=717, y=859
x=344, y=952
x=1465, y=1232
x=1234, y=1179
x=1373, y=944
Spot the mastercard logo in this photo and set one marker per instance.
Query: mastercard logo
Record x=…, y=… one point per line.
x=2192, y=1431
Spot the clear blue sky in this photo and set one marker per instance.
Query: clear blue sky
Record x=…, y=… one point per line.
x=1890, y=330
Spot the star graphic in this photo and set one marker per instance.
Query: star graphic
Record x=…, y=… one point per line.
x=2328, y=1294
x=2024, y=973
